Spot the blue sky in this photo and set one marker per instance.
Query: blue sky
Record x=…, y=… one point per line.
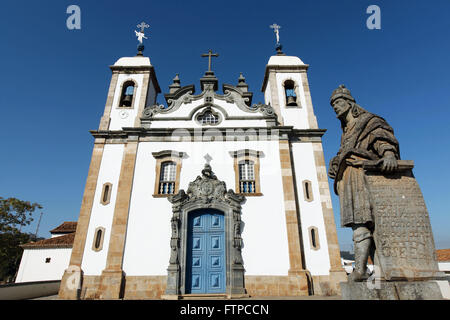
x=54, y=81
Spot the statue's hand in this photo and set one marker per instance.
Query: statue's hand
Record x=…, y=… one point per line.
x=331, y=173
x=389, y=162
x=354, y=161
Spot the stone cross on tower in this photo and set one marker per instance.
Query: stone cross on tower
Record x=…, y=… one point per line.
x=141, y=33
x=276, y=28
x=209, y=55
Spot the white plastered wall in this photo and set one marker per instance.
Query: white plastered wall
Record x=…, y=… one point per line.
x=311, y=214
x=265, y=249
x=33, y=267
x=102, y=215
x=444, y=266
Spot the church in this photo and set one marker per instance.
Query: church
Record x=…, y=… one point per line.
x=209, y=195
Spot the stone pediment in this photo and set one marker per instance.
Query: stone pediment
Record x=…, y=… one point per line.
x=207, y=190
x=181, y=102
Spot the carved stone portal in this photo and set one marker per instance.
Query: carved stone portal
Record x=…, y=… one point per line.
x=206, y=191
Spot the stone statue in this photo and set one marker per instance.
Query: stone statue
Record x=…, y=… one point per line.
x=366, y=136
x=140, y=35
x=381, y=201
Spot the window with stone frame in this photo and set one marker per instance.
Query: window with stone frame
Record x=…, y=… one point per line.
x=99, y=235
x=307, y=191
x=167, y=178
x=106, y=193
x=247, y=176
x=291, y=99
x=208, y=117
x=314, y=238
x=167, y=175
x=246, y=166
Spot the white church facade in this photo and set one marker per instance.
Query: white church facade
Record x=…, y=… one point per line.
x=210, y=195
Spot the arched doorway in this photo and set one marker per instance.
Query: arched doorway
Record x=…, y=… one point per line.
x=205, y=254
x=206, y=243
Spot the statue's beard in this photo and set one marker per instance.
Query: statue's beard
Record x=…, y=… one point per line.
x=341, y=114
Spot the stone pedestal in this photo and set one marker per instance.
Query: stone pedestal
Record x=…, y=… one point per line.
x=237, y=287
x=173, y=281
x=405, y=263
x=403, y=238
x=392, y=290
x=111, y=285
x=71, y=282
x=336, y=277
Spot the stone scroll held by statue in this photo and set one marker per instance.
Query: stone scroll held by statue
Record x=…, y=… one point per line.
x=380, y=198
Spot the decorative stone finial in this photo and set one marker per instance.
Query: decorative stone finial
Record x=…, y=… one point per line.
x=279, y=51
x=241, y=78
x=341, y=92
x=242, y=84
x=175, y=85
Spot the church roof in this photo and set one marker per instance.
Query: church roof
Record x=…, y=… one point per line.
x=280, y=60
x=443, y=254
x=65, y=241
x=65, y=227
x=137, y=61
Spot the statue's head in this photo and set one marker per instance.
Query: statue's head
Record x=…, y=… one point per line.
x=341, y=100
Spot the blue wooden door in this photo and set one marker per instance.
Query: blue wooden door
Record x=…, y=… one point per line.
x=205, y=260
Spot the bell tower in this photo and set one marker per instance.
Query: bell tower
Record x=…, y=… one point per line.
x=286, y=89
x=133, y=87
x=305, y=184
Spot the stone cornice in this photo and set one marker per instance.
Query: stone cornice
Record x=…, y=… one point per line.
x=246, y=152
x=283, y=132
x=281, y=68
x=169, y=153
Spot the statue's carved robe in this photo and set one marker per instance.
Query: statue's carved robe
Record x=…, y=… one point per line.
x=367, y=139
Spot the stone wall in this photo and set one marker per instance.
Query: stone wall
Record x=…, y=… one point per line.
x=152, y=287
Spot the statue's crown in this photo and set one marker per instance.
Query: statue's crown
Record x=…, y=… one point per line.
x=341, y=92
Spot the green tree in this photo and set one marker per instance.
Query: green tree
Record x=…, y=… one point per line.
x=14, y=214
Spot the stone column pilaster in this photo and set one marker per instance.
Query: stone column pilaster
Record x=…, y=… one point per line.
x=72, y=278
x=312, y=120
x=337, y=272
x=143, y=99
x=104, y=121
x=297, y=267
x=274, y=96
